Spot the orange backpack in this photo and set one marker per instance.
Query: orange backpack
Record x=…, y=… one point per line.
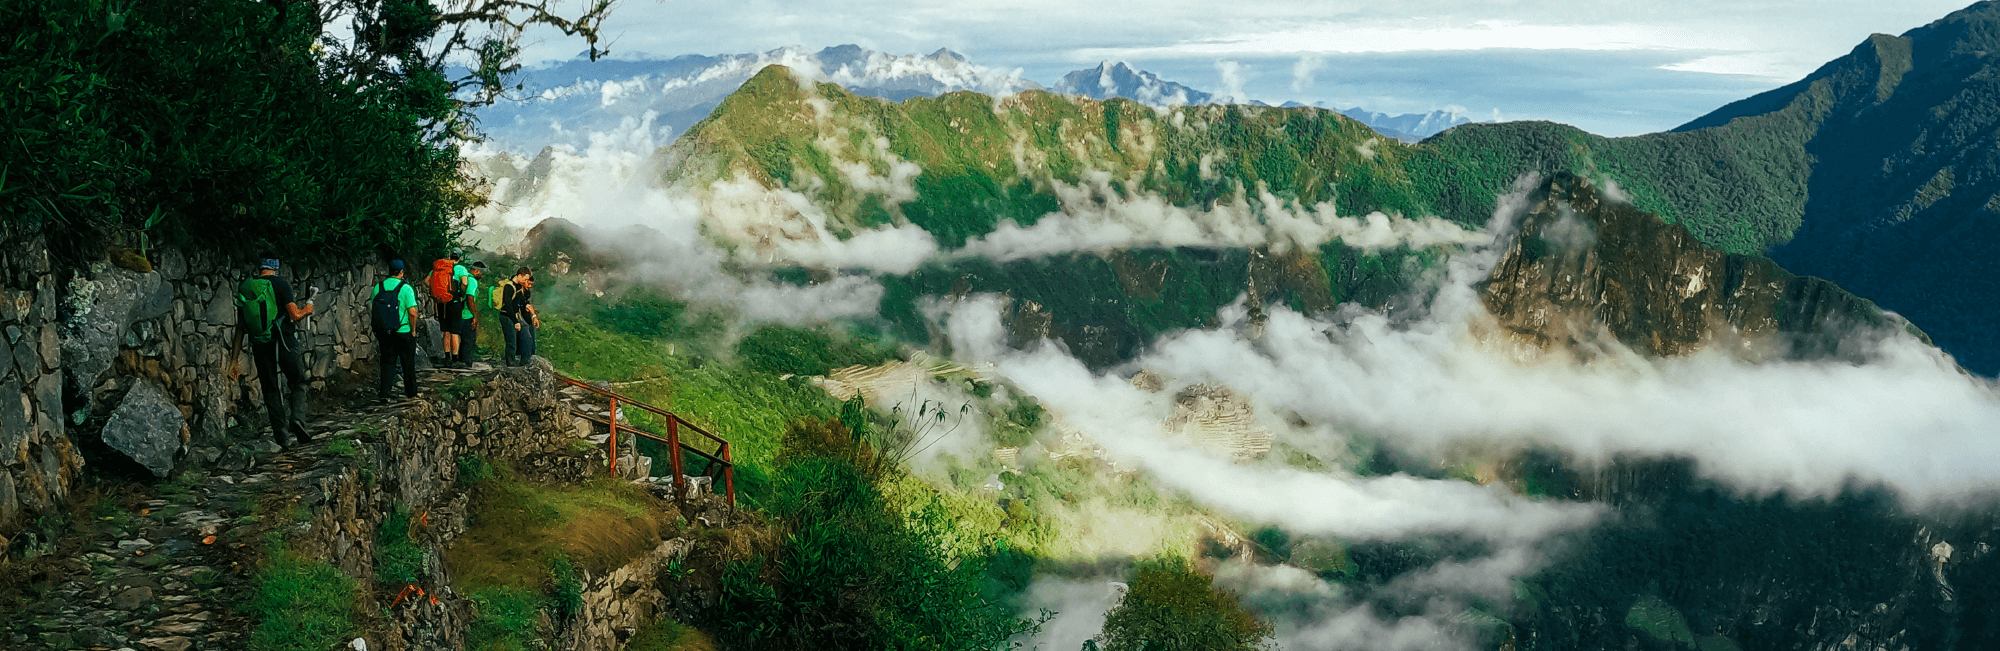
x=440, y=279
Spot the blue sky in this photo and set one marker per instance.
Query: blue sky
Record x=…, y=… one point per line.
x=1612, y=67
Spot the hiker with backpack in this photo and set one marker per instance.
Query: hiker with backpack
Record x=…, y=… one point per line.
x=468, y=324
x=393, y=313
x=266, y=313
x=518, y=320
x=448, y=290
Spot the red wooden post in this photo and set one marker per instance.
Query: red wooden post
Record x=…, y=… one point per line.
x=674, y=455
x=729, y=475
x=613, y=444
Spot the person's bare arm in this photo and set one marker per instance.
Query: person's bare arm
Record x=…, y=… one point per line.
x=292, y=310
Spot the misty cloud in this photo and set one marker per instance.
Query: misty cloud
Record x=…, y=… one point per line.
x=1908, y=419
x=1101, y=214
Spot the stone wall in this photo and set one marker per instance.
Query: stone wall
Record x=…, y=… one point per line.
x=78, y=339
x=409, y=457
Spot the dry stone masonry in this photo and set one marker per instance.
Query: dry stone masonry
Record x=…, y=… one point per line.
x=97, y=356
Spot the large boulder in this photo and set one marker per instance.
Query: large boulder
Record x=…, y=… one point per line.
x=147, y=427
x=103, y=309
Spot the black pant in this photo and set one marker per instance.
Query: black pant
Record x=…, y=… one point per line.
x=399, y=349
x=274, y=357
x=509, y=338
x=468, y=341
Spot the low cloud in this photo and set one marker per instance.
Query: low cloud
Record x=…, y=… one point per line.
x=1907, y=419
x=1101, y=213
x=607, y=191
x=1303, y=72
x=1233, y=77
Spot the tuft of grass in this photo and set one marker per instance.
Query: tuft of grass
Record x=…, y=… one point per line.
x=568, y=588
x=398, y=559
x=474, y=470
x=507, y=619
x=461, y=388
x=670, y=636
x=344, y=447
x=301, y=605
x=519, y=527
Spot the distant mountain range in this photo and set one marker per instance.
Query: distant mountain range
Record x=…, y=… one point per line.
x=650, y=102
x=572, y=102
x=1110, y=79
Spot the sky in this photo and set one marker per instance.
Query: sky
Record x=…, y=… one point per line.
x=1619, y=67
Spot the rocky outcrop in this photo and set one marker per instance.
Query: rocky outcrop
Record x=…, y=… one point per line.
x=100, y=309
x=1585, y=266
x=618, y=603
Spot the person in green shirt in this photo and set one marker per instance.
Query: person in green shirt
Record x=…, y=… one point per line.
x=468, y=327
x=398, y=341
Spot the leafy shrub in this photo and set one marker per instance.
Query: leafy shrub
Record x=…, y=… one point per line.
x=1018, y=422
x=1171, y=606
x=854, y=573
x=300, y=605
x=398, y=559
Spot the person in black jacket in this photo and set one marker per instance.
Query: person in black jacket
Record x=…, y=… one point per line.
x=518, y=320
x=279, y=355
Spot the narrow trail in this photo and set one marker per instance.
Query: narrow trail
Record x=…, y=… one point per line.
x=172, y=566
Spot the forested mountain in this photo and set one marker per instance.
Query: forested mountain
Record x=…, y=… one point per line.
x=1874, y=172
x=1903, y=186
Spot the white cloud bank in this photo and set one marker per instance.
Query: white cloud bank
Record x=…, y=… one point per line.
x=1102, y=214
x=1907, y=419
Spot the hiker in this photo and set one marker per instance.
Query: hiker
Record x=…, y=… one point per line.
x=393, y=313
x=266, y=311
x=448, y=290
x=468, y=325
x=518, y=320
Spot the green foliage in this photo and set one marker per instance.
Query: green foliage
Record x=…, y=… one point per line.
x=669, y=636
x=474, y=470
x=461, y=388
x=778, y=349
x=647, y=314
x=1015, y=426
x=567, y=586
x=853, y=573
x=343, y=447
x=300, y=605
x=398, y=559
x=505, y=619
x=1171, y=606
x=218, y=125
x=581, y=348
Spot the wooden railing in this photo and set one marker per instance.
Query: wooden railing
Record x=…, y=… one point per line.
x=719, y=460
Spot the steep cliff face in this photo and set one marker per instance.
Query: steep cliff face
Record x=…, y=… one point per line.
x=1586, y=265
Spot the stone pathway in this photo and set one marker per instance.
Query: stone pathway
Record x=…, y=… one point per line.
x=169, y=570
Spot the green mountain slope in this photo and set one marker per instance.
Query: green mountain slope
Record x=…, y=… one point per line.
x=1905, y=182
x=963, y=165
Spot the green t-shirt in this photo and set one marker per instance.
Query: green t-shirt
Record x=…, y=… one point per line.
x=406, y=298
x=472, y=293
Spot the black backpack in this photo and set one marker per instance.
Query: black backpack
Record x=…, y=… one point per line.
x=387, y=310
